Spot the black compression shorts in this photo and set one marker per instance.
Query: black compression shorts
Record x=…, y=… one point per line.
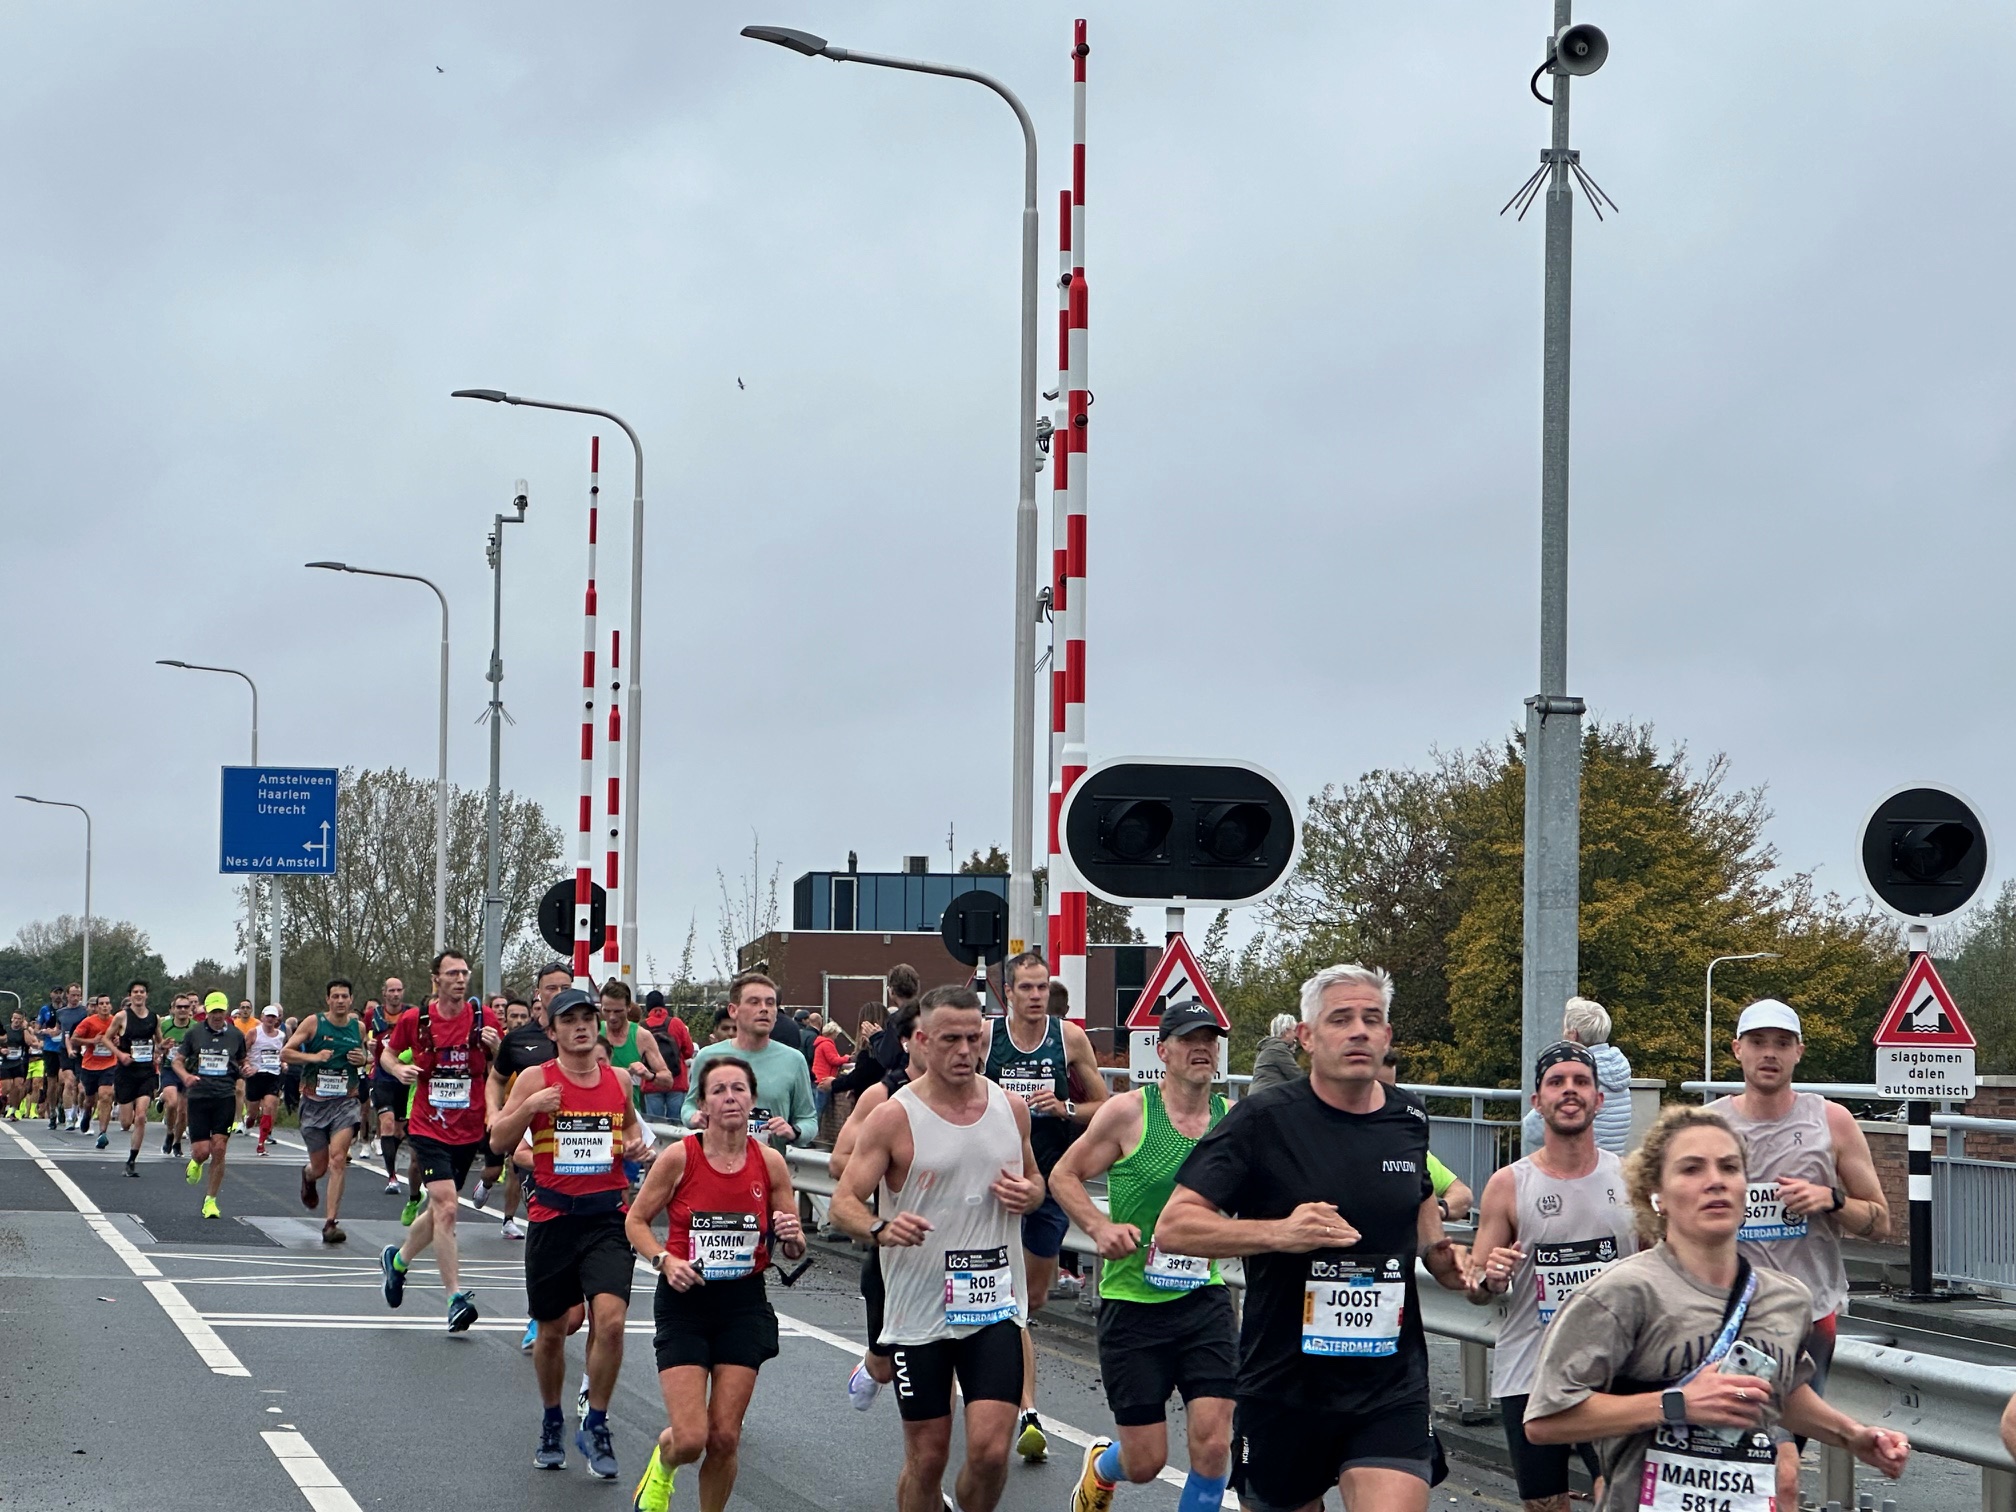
x=1540, y=1469
x=987, y=1362
x=387, y=1096
x=211, y=1117
x=873, y=1297
x=569, y=1259
x=1286, y=1456
x=444, y=1162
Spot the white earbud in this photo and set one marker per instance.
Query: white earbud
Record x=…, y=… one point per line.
x=1655, y=1202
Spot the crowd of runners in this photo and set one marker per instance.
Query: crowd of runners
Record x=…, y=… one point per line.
x=1667, y=1318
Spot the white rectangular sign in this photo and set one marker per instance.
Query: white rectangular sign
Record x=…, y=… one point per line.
x=1144, y=1065
x=1928, y=1074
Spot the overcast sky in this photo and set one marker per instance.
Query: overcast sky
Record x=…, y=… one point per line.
x=248, y=250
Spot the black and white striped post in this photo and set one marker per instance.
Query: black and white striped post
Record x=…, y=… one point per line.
x=1918, y=1159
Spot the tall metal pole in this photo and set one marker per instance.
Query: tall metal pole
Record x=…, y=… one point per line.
x=1022, y=805
x=493, y=819
x=1708, y=1014
x=1553, y=718
x=59, y=803
x=441, y=757
x=251, y=883
x=634, y=714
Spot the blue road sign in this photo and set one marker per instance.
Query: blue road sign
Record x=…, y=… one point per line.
x=278, y=820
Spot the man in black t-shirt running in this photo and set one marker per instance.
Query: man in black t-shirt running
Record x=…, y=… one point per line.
x=1322, y=1184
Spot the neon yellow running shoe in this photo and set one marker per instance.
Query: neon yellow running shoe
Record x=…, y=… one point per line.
x=210, y=1209
x=654, y=1492
x=193, y=1172
x=409, y=1212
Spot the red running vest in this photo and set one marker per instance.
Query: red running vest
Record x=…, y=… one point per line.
x=578, y=1149
x=719, y=1219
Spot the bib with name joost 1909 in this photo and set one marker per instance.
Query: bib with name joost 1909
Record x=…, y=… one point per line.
x=1687, y=1472
x=584, y=1144
x=448, y=1091
x=723, y=1245
x=979, y=1287
x=1561, y=1270
x=330, y=1083
x=1764, y=1215
x=213, y=1063
x=1353, y=1306
x=1174, y=1272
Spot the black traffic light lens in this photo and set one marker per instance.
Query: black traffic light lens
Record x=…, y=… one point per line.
x=1929, y=853
x=1233, y=833
x=1135, y=829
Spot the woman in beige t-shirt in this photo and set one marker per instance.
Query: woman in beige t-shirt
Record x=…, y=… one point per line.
x=1623, y=1361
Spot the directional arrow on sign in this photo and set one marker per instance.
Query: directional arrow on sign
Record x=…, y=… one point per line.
x=321, y=845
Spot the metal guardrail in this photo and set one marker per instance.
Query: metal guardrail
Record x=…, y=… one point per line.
x=1950, y=1408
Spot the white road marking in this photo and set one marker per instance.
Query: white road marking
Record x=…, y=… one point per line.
x=201, y=1336
x=317, y=1482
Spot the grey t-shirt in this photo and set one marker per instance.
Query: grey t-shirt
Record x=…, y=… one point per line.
x=1644, y=1323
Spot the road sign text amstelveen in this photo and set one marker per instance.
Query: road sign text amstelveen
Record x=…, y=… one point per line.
x=278, y=820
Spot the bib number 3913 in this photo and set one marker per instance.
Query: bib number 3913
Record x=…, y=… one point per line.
x=1173, y=1272
x=979, y=1287
x=1353, y=1306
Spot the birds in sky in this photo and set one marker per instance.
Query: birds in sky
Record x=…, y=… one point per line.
x=740, y=384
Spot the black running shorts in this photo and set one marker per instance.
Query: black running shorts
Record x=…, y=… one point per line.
x=444, y=1162
x=132, y=1083
x=569, y=1259
x=873, y=1297
x=262, y=1084
x=987, y=1362
x=1149, y=1349
x=1286, y=1456
x=717, y=1323
x=211, y=1117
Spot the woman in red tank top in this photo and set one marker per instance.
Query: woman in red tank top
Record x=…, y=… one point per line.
x=728, y=1202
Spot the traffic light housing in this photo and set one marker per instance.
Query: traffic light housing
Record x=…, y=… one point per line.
x=1148, y=831
x=1924, y=852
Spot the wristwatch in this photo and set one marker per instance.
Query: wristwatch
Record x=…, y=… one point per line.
x=1840, y=1200
x=875, y=1231
x=1673, y=1408
x=657, y=1261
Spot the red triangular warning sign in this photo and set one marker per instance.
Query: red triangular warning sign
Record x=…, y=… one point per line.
x=1923, y=1013
x=1177, y=978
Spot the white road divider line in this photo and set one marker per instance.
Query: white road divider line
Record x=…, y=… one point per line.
x=317, y=1482
x=202, y=1338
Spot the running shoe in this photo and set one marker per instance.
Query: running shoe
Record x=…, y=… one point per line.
x=581, y=1400
x=332, y=1233
x=193, y=1172
x=862, y=1388
x=482, y=1191
x=391, y=1186
x=531, y=1337
x=103, y=1139
x=391, y=1276
x=409, y=1212
x=167, y=1144
x=131, y=1169
x=654, y=1492
x=1029, y=1440
x=260, y=1148
x=552, y=1453
x=311, y=1195
x=595, y=1446
x=1093, y=1494
x=511, y=1230
x=210, y=1209
x=461, y=1312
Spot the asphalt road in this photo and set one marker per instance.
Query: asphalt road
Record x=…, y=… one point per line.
x=154, y=1358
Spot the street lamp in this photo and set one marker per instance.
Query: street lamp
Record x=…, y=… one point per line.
x=493, y=898
x=1708, y=1014
x=1021, y=878
x=441, y=761
x=59, y=803
x=251, y=883
x=633, y=716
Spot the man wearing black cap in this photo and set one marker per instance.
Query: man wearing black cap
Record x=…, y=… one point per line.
x=1165, y=1321
x=521, y=1049
x=1549, y=1224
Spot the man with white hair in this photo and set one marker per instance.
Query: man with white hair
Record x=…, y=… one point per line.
x=1274, y=1057
x=1586, y=1022
x=1322, y=1184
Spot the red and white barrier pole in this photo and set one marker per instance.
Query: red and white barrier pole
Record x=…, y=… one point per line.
x=613, y=805
x=1060, y=528
x=584, y=864
x=1073, y=760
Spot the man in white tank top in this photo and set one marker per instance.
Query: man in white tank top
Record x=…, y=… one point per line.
x=1811, y=1180
x=949, y=1159
x=1548, y=1224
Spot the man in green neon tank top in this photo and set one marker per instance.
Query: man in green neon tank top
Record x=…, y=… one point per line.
x=1165, y=1321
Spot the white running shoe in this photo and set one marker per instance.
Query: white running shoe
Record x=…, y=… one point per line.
x=482, y=1191
x=862, y=1388
x=511, y=1230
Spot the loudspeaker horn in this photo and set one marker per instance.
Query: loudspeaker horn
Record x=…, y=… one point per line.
x=1580, y=49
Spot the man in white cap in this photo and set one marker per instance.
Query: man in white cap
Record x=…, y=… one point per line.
x=1811, y=1178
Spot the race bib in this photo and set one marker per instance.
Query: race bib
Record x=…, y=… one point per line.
x=1353, y=1306
x=266, y=1062
x=584, y=1144
x=330, y=1083
x=213, y=1063
x=979, y=1287
x=759, y=1121
x=1703, y=1476
x=723, y=1245
x=1173, y=1272
x=1560, y=1270
x=448, y=1091
x=1026, y=1087
x=1764, y=1215
x=142, y=1052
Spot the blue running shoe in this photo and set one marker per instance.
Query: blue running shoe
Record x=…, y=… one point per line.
x=601, y=1454
x=461, y=1312
x=393, y=1277
x=552, y=1453
x=531, y=1337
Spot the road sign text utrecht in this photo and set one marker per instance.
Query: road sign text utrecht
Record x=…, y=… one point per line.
x=278, y=820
